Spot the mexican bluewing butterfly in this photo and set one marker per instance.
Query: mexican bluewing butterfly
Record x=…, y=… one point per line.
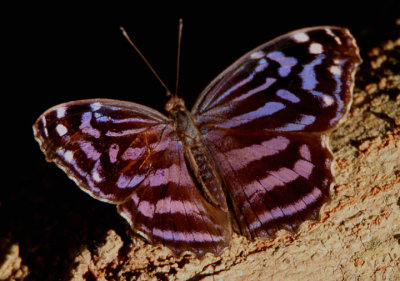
x=250, y=157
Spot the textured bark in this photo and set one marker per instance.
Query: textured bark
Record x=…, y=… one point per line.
x=357, y=238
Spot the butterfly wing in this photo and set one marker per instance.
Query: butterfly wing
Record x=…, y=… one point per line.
x=101, y=144
x=167, y=207
x=129, y=155
x=301, y=81
x=263, y=119
x=276, y=181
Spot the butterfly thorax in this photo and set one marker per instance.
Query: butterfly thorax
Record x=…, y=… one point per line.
x=183, y=122
x=196, y=154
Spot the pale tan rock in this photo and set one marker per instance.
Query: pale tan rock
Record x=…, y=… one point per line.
x=11, y=267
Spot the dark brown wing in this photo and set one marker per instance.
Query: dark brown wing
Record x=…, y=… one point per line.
x=167, y=207
x=301, y=81
x=275, y=181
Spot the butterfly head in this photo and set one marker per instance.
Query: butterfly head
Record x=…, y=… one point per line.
x=175, y=105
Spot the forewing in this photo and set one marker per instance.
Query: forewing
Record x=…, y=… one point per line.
x=275, y=181
x=168, y=208
x=300, y=81
x=102, y=144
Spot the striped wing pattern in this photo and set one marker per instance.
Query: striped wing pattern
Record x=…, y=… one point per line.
x=167, y=207
x=129, y=155
x=101, y=144
x=275, y=181
x=300, y=81
x=263, y=121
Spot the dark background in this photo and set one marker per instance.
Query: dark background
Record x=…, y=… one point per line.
x=67, y=51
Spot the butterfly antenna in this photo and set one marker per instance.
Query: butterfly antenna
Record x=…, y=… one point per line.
x=125, y=34
x=178, y=57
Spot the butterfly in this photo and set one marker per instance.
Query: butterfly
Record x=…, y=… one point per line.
x=251, y=156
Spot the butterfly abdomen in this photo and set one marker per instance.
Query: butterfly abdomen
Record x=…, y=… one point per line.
x=206, y=175
x=199, y=159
